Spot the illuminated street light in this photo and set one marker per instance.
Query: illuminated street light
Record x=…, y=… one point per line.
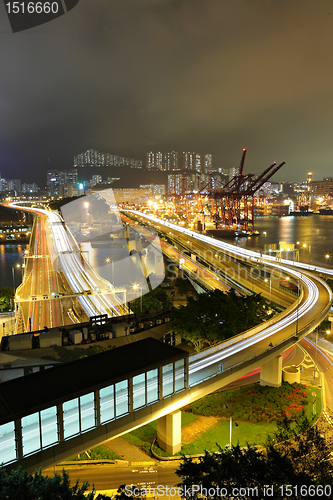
x=137, y=287
x=309, y=248
x=270, y=287
x=327, y=256
x=109, y=261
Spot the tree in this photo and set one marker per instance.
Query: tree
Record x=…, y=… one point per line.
x=245, y=473
x=18, y=484
x=156, y=300
x=129, y=492
x=304, y=444
x=184, y=286
x=215, y=316
x=6, y=296
x=221, y=475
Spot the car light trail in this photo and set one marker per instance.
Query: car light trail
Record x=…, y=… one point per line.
x=225, y=350
x=80, y=278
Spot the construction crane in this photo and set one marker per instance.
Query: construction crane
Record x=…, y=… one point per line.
x=233, y=204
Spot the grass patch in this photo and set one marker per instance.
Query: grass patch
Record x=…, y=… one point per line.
x=145, y=435
x=98, y=453
x=255, y=403
x=259, y=403
x=220, y=434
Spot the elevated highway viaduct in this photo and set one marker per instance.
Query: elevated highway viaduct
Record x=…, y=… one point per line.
x=74, y=415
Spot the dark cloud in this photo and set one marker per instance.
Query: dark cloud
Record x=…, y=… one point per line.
x=126, y=76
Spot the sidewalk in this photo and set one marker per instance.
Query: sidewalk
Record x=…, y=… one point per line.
x=9, y=321
x=129, y=452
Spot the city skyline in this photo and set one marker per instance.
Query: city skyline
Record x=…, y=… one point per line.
x=133, y=77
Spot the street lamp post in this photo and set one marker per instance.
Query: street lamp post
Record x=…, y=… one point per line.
x=298, y=284
x=230, y=436
x=13, y=301
x=309, y=250
x=230, y=433
x=270, y=288
x=137, y=287
x=13, y=273
x=315, y=366
x=109, y=261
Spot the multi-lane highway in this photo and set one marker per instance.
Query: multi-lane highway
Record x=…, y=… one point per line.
x=38, y=306
x=239, y=252
x=303, y=316
x=208, y=370
x=59, y=286
x=211, y=268
x=62, y=259
x=54, y=255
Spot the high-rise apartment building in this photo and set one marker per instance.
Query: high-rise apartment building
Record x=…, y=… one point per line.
x=207, y=163
x=154, y=161
x=93, y=158
x=197, y=163
x=191, y=161
x=324, y=187
x=14, y=185
x=191, y=181
x=56, y=178
x=171, y=160
x=175, y=183
x=30, y=188
x=188, y=160
x=95, y=179
x=156, y=189
x=162, y=161
x=3, y=184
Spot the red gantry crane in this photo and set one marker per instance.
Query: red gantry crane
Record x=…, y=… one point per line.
x=233, y=204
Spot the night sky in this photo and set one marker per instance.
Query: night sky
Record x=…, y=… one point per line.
x=210, y=76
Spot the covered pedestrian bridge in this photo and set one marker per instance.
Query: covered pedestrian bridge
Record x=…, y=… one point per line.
x=55, y=414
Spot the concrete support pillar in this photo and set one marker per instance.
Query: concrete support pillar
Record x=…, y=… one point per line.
x=169, y=432
x=159, y=264
x=138, y=243
x=271, y=372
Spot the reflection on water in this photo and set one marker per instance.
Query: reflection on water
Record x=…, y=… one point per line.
x=10, y=256
x=314, y=231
